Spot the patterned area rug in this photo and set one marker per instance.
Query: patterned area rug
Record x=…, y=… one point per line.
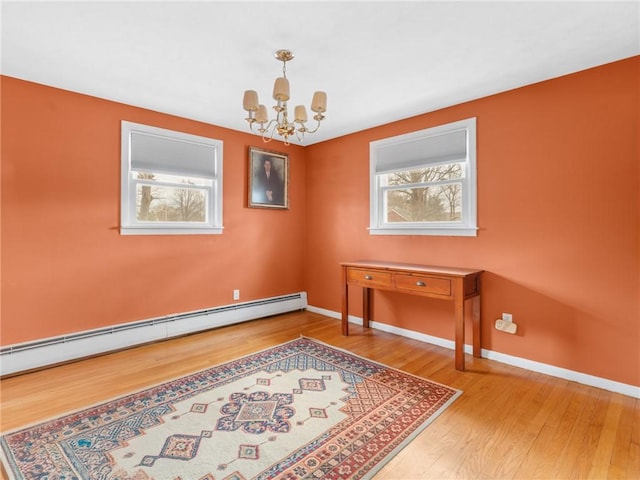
x=302, y=409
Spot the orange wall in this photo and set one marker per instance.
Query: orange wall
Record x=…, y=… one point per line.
x=66, y=268
x=558, y=210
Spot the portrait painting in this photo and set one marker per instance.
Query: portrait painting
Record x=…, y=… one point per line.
x=268, y=179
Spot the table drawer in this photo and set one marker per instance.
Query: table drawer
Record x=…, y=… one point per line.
x=369, y=278
x=421, y=283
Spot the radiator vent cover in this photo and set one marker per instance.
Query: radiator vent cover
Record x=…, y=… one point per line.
x=28, y=355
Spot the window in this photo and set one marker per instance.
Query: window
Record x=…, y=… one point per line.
x=171, y=182
x=424, y=183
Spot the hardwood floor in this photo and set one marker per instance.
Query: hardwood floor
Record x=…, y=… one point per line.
x=508, y=424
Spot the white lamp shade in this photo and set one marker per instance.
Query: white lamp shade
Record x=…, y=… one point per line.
x=281, y=89
x=301, y=113
x=261, y=115
x=250, y=101
x=319, y=102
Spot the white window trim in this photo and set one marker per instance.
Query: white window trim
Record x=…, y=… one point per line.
x=469, y=199
x=128, y=223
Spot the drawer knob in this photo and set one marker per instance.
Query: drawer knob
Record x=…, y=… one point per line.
x=421, y=284
x=368, y=277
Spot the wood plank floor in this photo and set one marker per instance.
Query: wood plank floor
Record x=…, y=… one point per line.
x=509, y=423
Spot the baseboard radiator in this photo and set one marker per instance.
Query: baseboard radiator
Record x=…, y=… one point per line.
x=26, y=356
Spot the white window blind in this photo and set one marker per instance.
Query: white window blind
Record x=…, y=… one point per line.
x=420, y=152
x=154, y=153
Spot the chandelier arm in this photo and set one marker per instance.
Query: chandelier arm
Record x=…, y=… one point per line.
x=315, y=129
x=272, y=123
x=251, y=124
x=271, y=126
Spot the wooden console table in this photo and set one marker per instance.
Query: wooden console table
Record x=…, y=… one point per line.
x=457, y=284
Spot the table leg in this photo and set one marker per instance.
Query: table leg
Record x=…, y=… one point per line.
x=459, y=320
x=345, y=302
x=366, y=306
x=477, y=331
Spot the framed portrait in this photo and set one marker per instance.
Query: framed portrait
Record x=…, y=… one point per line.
x=268, y=179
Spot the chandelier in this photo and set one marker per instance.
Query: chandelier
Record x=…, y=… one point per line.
x=259, y=119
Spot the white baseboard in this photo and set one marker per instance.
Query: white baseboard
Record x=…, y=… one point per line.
x=50, y=351
x=551, y=370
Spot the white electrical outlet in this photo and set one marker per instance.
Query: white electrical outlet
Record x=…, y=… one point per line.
x=507, y=317
x=508, y=327
x=236, y=294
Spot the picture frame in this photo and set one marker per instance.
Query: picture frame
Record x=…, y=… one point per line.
x=268, y=190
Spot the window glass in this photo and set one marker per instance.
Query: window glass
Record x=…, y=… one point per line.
x=156, y=202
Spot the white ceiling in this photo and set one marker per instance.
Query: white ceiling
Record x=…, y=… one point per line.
x=377, y=61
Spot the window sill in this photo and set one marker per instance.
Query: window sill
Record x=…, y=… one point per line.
x=434, y=231
x=170, y=230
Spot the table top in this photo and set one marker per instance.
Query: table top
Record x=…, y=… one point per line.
x=411, y=267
